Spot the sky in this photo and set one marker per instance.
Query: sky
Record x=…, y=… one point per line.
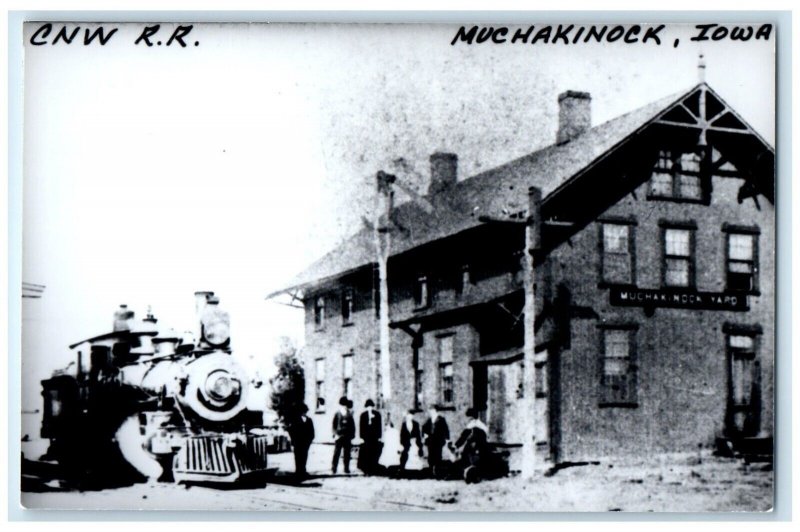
x=152, y=173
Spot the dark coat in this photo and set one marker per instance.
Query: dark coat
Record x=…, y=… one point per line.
x=344, y=427
x=473, y=445
x=370, y=430
x=436, y=433
x=301, y=432
x=407, y=436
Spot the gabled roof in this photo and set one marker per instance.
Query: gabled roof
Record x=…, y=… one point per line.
x=500, y=190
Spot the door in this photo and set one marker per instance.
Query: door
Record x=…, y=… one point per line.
x=744, y=394
x=504, y=415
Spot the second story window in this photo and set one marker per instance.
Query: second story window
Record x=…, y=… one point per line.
x=446, y=392
x=347, y=306
x=616, y=242
x=319, y=383
x=464, y=281
x=741, y=266
x=347, y=374
x=421, y=292
x=319, y=312
x=677, y=176
x=678, y=264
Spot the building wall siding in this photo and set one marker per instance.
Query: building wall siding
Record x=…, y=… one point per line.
x=681, y=353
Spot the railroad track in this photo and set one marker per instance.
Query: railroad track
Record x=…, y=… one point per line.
x=281, y=497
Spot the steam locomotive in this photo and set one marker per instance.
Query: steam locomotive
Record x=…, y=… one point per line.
x=139, y=403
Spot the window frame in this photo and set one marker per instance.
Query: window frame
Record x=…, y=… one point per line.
x=446, y=386
x=422, y=291
x=347, y=380
x=754, y=232
x=608, y=395
x=319, y=384
x=631, y=224
x=676, y=172
x=464, y=281
x=348, y=307
x=691, y=228
x=319, y=312
x=418, y=375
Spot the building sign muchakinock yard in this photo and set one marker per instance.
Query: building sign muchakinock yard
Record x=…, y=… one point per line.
x=638, y=297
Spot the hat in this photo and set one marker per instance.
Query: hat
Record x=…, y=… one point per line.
x=471, y=412
x=349, y=403
x=343, y=401
x=369, y=403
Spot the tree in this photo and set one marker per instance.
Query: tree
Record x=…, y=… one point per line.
x=288, y=385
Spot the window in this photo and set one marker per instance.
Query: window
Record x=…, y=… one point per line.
x=617, y=253
x=347, y=307
x=678, y=257
x=319, y=312
x=419, y=397
x=618, y=380
x=464, y=281
x=741, y=267
x=421, y=293
x=677, y=176
x=319, y=383
x=347, y=374
x=446, y=370
x=540, y=385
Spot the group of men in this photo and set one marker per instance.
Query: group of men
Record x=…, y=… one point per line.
x=433, y=435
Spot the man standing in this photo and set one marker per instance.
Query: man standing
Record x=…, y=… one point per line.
x=344, y=430
x=301, y=430
x=409, y=432
x=435, y=434
x=370, y=428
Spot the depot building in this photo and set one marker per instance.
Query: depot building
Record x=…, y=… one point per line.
x=652, y=288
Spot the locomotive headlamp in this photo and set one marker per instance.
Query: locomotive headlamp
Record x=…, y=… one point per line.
x=217, y=332
x=220, y=385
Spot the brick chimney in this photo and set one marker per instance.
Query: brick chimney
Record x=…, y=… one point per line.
x=574, y=115
x=444, y=171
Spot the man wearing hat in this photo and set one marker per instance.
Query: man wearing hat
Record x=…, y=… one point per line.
x=344, y=430
x=435, y=434
x=301, y=430
x=370, y=428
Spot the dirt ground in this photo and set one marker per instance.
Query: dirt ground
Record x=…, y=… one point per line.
x=666, y=483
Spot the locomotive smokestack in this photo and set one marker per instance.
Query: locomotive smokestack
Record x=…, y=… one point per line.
x=200, y=301
x=123, y=319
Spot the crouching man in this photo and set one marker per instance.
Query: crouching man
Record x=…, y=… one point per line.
x=472, y=445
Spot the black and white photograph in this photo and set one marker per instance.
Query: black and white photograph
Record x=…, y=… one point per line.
x=383, y=267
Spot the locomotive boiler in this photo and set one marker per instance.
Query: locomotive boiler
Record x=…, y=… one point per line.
x=142, y=402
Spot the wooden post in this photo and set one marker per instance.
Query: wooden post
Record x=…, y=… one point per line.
x=533, y=431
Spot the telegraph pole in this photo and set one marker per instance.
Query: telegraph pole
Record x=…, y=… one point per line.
x=535, y=429
x=535, y=412
x=383, y=242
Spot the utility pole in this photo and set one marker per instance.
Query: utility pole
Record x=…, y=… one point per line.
x=535, y=429
x=535, y=411
x=383, y=241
